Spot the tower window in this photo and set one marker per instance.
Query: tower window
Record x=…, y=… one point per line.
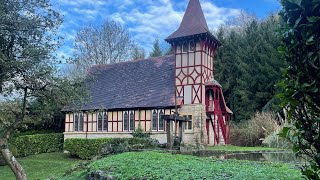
x=185, y=47
x=192, y=46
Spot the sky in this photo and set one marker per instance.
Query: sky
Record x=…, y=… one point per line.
x=148, y=19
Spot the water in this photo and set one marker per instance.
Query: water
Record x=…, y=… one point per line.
x=283, y=157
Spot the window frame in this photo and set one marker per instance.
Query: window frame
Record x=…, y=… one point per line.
x=185, y=47
x=76, y=122
x=186, y=128
x=105, y=121
x=133, y=119
x=123, y=121
x=194, y=46
x=99, y=115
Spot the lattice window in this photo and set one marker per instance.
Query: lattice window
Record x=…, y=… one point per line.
x=192, y=46
x=81, y=122
x=154, y=120
x=99, y=122
x=185, y=47
x=131, y=120
x=105, y=121
x=76, y=122
x=161, y=120
x=189, y=123
x=125, y=121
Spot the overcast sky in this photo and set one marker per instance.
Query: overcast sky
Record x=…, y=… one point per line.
x=149, y=19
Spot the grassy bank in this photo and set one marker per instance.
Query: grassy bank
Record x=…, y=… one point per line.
x=42, y=166
x=154, y=165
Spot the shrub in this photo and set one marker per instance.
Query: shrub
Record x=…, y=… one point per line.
x=139, y=133
x=38, y=143
x=89, y=148
x=253, y=131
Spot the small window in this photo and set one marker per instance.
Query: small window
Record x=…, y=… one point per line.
x=105, y=122
x=189, y=123
x=99, y=122
x=161, y=120
x=154, y=120
x=185, y=47
x=125, y=121
x=76, y=122
x=192, y=46
x=131, y=120
x=81, y=122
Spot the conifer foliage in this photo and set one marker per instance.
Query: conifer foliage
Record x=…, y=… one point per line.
x=248, y=65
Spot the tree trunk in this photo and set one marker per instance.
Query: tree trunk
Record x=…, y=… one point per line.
x=11, y=161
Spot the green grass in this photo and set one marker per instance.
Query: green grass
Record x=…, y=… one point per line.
x=42, y=166
x=240, y=148
x=155, y=165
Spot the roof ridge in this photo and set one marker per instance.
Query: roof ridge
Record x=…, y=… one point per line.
x=130, y=61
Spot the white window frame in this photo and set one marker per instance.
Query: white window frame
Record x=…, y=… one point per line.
x=194, y=46
x=134, y=125
x=186, y=128
x=158, y=120
x=99, y=113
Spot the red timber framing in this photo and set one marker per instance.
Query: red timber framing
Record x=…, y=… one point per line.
x=193, y=68
x=217, y=115
x=115, y=120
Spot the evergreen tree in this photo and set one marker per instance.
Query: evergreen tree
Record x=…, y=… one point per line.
x=248, y=65
x=156, y=50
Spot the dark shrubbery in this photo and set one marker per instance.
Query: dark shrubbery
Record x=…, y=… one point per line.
x=89, y=148
x=38, y=143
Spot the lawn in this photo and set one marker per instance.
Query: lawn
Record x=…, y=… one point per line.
x=240, y=148
x=42, y=166
x=156, y=165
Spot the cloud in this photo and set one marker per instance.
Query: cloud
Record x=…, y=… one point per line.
x=145, y=20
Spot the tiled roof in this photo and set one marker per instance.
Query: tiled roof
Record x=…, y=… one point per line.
x=193, y=22
x=213, y=82
x=134, y=84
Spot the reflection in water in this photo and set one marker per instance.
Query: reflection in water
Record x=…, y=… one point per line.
x=265, y=156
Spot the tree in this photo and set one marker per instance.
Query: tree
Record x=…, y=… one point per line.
x=301, y=82
x=27, y=40
x=105, y=44
x=248, y=65
x=156, y=50
x=137, y=53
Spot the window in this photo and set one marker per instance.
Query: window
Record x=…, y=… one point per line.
x=161, y=120
x=76, y=122
x=105, y=121
x=184, y=47
x=155, y=120
x=189, y=123
x=125, y=121
x=131, y=120
x=191, y=46
x=81, y=122
x=99, y=122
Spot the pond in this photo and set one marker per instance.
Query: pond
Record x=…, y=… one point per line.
x=285, y=157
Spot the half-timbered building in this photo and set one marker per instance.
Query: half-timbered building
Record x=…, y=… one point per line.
x=136, y=93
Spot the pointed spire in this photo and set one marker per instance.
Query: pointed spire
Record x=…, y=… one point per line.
x=193, y=22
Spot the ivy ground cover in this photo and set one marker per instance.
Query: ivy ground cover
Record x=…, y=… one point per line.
x=156, y=165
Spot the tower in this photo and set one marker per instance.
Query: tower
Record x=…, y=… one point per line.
x=194, y=48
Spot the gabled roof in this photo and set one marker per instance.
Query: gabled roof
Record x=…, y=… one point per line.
x=147, y=83
x=193, y=23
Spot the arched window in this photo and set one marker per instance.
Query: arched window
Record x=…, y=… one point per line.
x=76, y=122
x=161, y=120
x=185, y=47
x=81, y=122
x=192, y=46
x=105, y=122
x=125, y=121
x=131, y=120
x=154, y=120
x=99, y=122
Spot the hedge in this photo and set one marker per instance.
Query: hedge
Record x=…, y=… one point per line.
x=89, y=148
x=38, y=143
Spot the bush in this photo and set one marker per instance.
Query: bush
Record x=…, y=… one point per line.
x=38, y=143
x=139, y=133
x=253, y=131
x=89, y=148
